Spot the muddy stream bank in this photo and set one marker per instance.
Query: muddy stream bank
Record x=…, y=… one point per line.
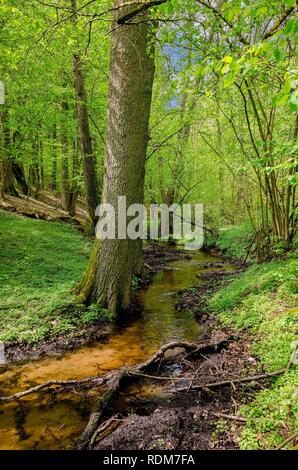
x=55, y=422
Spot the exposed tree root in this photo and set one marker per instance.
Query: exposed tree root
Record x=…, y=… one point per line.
x=105, y=429
x=124, y=376
x=127, y=375
x=111, y=376
x=47, y=385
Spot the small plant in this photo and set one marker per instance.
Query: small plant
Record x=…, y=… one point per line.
x=135, y=283
x=95, y=313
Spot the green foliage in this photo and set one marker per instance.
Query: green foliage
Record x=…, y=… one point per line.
x=94, y=313
x=231, y=241
x=264, y=301
x=269, y=412
x=135, y=283
x=40, y=263
x=257, y=279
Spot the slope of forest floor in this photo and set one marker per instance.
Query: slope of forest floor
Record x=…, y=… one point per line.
x=231, y=242
x=263, y=303
x=46, y=207
x=40, y=263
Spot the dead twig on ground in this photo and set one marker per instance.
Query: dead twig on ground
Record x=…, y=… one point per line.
x=287, y=440
x=231, y=417
x=250, y=378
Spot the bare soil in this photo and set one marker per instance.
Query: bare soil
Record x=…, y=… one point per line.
x=189, y=420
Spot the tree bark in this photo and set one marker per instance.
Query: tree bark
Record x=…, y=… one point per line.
x=65, y=196
x=7, y=183
x=89, y=159
x=19, y=174
x=131, y=80
x=54, y=159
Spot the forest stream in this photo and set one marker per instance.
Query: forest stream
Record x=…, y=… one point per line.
x=51, y=420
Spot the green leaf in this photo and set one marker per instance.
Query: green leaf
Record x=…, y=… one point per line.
x=280, y=99
x=261, y=11
x=293, y=107
x=261, y=161
x=290, y=3
x=200, y=71
x=229, y=80
x=227, y=59
x=294, y=97
x=170, y=8
x=231, y=11
x=225, y=68
x=291, y=27
x=278, y=54
x=292, y=180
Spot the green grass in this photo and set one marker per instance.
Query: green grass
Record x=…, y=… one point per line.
x=40, y=263
x=232, y=241
x=264, y=300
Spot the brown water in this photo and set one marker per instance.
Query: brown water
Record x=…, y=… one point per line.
x=46, y=422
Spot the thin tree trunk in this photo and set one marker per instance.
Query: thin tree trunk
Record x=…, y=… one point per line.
x=19, y=174
x=17, y=166
x=65, y=196
x=89, y=159
x=54, y=159
x=7, y=183
x=73, y=193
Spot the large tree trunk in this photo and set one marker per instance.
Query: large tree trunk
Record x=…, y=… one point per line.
x=131, y=79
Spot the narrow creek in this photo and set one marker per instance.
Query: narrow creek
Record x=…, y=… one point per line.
x=54, y=423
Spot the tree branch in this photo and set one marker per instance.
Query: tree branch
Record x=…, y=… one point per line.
x=279, y=22
x=138, y=9
x=218, y=14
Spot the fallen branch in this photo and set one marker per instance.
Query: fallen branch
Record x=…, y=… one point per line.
x=231, y=417
x=127, y=375
x=287, y=440
x=250, y=378
x=46, y=385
